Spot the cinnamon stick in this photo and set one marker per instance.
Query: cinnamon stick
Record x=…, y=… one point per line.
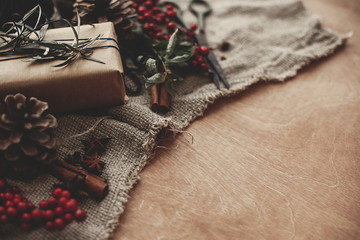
x=164, y=99
x=92, y=184
x=154, y=105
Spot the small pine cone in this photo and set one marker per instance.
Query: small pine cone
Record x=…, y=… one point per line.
x=26, y=139
x=120, y=12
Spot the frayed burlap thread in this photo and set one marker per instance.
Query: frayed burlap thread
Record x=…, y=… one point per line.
x=271, y=40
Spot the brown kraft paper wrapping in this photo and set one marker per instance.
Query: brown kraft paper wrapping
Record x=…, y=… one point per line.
x=82, y=84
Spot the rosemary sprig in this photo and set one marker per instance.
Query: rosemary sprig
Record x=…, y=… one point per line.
x=23, y=41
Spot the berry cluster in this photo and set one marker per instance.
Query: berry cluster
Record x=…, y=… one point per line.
x=198, y=59
x=53, y=214
x=159, y=24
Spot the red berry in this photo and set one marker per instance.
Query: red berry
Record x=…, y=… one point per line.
x=66, y=194
x=146, y=27
x=71, y=205
x=80, y=215
x=16, y=201
x=21, y=207
x=9, y=204
x=58, y=211
x=43, y=204
x=158, y=35
x=148, y=4
x=49, y=214
x=59, y=224
x=191, y=33
x=4, y=219
x=2, y=183
x=2, y=196
x=171, y=25
x=148, y=15
x=194, y=63
x=36, y=214
x=26, y=217
x=17, y=195
x=135, y=5
x=152, y=25
x=159, y=19
x=68, y=218
x=62, y=201
x=197, y=50
x=155, y=9
x=2, y=210
x=171, y=14
x=52, y=202
x=11, y=212
x=8, y=196
x=141, y=18
x=142, y=10
x=160, y=14
x=25, y=227
x=200, y=60
x=30, y=206
x=15, y=189
x=57, y=192
x=204, y=50
x=204, y=66
x=169, y=7
x=193, y=27
x=49, y=226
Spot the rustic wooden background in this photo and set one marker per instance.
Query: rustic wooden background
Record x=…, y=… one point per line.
x=280, y=161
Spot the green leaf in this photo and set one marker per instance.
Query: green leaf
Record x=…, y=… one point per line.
x=52, y=45
x=43, y=30
x=68, y=61
x=39, y=17
x=155, y=79
x=178, y=59
x=92, y=59
x=171, y=45
x=182, y=55
x=151, y=66
x=29, y=13
x=7, y=44
x=78, y=21
x=175, y=78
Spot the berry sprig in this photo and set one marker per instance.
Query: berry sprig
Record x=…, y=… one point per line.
x=160, y=24
x=53, y=214
x=198, y=59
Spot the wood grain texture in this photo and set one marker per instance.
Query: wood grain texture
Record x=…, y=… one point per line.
x=281, y=161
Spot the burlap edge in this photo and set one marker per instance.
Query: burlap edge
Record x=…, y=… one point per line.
x=149, y=149
x=288, y=74
x=150, y=142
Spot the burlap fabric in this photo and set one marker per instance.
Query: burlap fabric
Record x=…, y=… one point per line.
x=271, y=40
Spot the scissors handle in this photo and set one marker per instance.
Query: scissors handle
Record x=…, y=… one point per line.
x=200, y=14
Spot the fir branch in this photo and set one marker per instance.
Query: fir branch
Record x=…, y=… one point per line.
x=23, y=41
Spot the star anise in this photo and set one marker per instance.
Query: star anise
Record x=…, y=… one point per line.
x=74, y=158
x=97, y=145
x=92, y=163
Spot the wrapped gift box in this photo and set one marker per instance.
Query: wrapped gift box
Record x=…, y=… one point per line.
x=82, y=84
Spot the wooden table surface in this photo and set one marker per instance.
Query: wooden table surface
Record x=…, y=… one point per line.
x=280, y=161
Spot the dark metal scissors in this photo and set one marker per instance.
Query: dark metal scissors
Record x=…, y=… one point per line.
x=211, y=61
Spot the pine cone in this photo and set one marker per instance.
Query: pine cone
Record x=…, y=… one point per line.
x=26, y=140
x=120, y=12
